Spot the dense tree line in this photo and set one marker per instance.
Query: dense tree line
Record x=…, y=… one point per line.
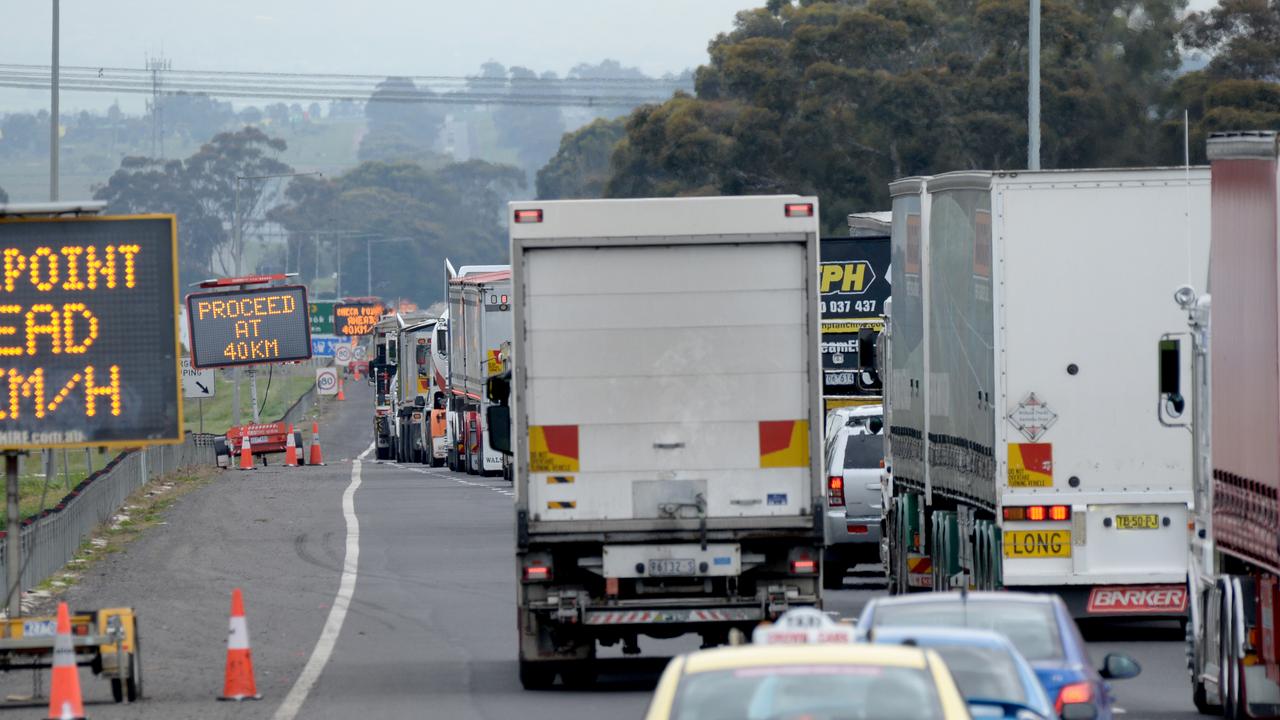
x=839, y=97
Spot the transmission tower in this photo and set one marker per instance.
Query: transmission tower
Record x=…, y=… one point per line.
x=157, y=66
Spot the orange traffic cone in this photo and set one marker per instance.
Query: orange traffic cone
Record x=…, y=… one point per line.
x=64, y=694
x=341, y=394
x=246, y=454
x=239, y=684
x=357, y=372
x=290, y=450
x=316, y=458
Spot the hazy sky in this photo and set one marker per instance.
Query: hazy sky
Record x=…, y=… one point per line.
x=411, y=37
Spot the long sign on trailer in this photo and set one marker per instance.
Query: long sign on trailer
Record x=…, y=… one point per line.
x=88, y=332
x=247, y=327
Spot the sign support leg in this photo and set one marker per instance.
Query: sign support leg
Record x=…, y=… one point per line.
x=13, y=537
x=235, y=397
x=200, y=412
x=253, y=392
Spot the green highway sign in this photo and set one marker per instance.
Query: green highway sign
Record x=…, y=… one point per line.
x=322, y=318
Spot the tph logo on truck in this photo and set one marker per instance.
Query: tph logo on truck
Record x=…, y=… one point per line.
x=851, y=277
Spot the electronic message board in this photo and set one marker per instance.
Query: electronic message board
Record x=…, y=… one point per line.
x=248, y=327
x=357, y=318
x=89, y=332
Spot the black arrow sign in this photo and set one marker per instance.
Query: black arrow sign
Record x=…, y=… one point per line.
x=203, y=389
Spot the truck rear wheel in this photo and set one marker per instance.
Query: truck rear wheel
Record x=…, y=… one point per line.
x=537, y=675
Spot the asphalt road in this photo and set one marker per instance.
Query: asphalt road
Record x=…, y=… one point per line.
x=430, y=627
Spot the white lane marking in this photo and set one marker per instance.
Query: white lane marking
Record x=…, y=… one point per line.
x=288, y=709
x=446, y=476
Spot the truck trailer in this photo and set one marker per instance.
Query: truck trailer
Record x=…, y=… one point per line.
x=1022, y=449
x=1234, y=414
x=667, y=404
x=413, y=440
x=479, y=323
x=385, y=346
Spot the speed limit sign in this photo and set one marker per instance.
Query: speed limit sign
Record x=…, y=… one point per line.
x=342, y=354
x=359, y=352
x=327, y=381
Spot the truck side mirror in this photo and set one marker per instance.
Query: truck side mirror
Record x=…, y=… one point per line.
x=498, y=388
x=1171, y=377
x=498, y=418
x=867, y=349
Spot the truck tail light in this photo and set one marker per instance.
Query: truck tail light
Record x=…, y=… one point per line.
x=528, y=216
x=804, y=566
x=799, y=210
x=856, y=529
x=1074, y=694
x=835, y=491
x=1038, y=513
x=536, y=572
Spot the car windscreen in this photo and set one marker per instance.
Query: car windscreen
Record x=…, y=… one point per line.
x=1031, y=627
x=984, y=672
x=820, y=692
x=863, y=451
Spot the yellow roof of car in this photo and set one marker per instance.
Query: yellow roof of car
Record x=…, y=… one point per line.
x=725, y=658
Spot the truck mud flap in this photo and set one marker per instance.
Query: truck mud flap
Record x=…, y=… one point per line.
x=644, y=617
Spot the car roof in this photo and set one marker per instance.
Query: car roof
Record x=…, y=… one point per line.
x=742, y=656
x=973, y=597
x=932, y=636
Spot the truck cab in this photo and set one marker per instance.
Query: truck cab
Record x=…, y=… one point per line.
x=382, y=375
x=413, y=416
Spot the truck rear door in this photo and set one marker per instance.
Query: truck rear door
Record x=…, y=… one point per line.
x=667, y=381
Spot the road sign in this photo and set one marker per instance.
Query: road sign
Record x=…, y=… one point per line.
x=249, y=327
x=88, y=332
x=321, y=318
x=342, y=354
x=196, y=383
x=357, y=318
x=325, y=345
x=327, y=381
x=359, y=352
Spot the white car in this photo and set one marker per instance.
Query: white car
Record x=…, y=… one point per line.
x=854, y=461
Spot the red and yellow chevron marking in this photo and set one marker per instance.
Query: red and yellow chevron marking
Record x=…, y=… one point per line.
x=561, y=504
x=919, y=564
x=1030, y=465
x=553, y=448
x=784, y=443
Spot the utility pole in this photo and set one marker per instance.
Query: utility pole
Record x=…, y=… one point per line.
x=1033, y=89
x=55, y=124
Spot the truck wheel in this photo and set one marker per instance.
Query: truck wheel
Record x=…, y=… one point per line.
x=833, y=572
x=537, y=675
x=382, y=453
x=1200, y=697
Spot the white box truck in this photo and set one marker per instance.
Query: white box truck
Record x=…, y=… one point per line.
x=667, y=415
x=479, y=323
x=1024, y=452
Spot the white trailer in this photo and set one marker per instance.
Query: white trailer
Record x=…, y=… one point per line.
x=667, y=416
x=1023, y=450
x=480, y=322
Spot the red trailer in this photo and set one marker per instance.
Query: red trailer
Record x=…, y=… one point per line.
x=263, y=438
x=1235, y=417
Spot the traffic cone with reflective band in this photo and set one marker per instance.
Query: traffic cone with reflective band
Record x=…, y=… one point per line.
x=64, y=689
x=239, y=684
x=290, y=450
x=316, y=458
x=341, y=395
x=246, y=454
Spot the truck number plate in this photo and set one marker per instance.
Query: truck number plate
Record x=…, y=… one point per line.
x=39, y=628
x=670, y=568
x=1037, y=543
x=1137, y=522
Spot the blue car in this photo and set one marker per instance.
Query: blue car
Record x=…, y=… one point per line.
x=1039, y=626
x=994, y=678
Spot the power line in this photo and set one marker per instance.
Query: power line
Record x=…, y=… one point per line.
x=674, y=83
